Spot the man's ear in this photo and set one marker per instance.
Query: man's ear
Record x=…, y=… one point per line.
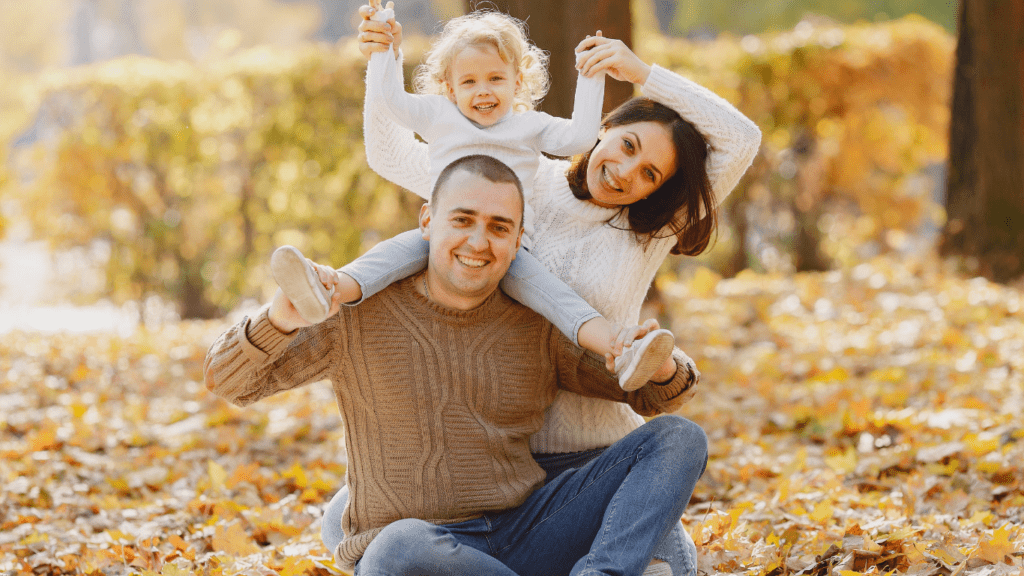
x=519, y=242
x=425, y=221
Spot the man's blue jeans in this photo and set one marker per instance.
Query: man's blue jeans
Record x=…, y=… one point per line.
x=605, y=517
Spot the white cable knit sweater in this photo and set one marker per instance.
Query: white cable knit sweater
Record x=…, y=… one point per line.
x=606, y=266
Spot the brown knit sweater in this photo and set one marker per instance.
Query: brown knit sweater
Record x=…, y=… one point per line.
x=438, y=404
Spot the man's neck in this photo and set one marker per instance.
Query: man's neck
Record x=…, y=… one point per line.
x=427, y=285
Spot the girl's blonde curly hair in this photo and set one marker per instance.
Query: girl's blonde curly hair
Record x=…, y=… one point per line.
x=506, y=34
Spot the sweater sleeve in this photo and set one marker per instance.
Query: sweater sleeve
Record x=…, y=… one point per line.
x=583, y=372
x=733, y=138
x=253, y=359
x=385, y=85
x=393, y=150
x=561, y=137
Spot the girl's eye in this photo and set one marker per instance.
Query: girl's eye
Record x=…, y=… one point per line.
x=650, y=175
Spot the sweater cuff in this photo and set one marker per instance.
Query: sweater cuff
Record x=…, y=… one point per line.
x=678, y=385
x=263, y=341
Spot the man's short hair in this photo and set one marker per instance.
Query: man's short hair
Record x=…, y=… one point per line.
x=487, y=167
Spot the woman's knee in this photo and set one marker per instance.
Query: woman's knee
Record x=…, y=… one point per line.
x=681, y=436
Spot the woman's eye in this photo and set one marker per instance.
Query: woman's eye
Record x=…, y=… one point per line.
x=650, y=175
x=627, y=144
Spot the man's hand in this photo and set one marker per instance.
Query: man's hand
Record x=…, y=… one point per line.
x=378, y=36
x=286, y=318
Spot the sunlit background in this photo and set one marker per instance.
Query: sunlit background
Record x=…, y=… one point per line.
x=153, y=152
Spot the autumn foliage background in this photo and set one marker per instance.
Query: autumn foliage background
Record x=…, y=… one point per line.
x=862, y=399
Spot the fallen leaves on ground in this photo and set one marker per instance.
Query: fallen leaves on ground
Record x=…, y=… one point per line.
x=861, y=422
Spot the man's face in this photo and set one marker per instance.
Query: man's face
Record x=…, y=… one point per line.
x=474, y=233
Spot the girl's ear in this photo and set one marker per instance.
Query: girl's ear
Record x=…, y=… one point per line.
x=601, y=132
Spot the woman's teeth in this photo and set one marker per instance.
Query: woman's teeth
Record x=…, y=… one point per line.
x=608, y=180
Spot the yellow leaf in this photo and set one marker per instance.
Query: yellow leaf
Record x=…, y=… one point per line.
x=233, y=540
x=822, y=511
x=704, y=282
x=981, y=517
x=843, y=462
x=997, y=547
x=217, y=474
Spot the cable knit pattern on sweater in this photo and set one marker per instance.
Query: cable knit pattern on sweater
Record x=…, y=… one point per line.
x=604, y=265
x=438, y=404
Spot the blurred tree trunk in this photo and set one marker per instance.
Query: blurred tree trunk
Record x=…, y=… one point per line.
x=558, y=27
x=985, y=191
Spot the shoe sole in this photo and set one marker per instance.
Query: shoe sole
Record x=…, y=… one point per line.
x=300, y=284
x=647, y=360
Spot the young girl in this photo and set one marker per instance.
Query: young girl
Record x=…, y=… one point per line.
x=478, y=87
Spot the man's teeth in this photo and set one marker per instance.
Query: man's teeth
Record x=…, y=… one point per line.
x=471, y=262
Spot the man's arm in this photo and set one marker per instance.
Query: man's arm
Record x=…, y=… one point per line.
x=584, y=373
x=254, y=359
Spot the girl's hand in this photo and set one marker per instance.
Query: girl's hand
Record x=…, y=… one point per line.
x=624, y=338
x=378, y=36
x=599, y=54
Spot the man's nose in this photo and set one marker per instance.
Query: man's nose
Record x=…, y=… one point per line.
x=477, y=239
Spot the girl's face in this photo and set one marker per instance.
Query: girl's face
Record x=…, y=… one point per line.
x=482, y=85
x=630, y=162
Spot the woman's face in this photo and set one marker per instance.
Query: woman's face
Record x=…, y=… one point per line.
x=629, y=162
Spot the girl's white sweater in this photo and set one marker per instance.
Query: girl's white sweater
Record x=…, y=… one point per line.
x=604, y=265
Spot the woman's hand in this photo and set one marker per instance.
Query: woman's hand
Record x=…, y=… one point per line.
x=599, y=54
x=378, y=36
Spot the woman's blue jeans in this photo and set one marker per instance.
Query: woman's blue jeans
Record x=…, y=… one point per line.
x=606, y=517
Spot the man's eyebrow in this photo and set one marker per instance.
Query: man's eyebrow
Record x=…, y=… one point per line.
x=471, y=212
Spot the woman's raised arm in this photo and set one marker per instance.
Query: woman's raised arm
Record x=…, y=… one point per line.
x=733, y=138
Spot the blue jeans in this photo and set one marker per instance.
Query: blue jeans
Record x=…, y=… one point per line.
x=527, y=280
x=605, y=517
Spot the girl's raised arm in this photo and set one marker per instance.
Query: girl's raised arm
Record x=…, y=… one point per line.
x=391, y=149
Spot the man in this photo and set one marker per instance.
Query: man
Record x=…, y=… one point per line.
x=441, y=379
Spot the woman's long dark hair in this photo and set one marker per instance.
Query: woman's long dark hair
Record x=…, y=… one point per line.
x=677, y=204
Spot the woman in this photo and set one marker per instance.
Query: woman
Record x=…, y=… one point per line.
x=604, y=222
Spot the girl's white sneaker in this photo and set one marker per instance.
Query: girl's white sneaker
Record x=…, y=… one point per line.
x=640, y=361
x=301, y=284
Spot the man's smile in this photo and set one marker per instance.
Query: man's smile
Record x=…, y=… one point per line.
x=471, y=262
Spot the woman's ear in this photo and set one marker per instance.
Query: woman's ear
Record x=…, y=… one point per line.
x=601, y=132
